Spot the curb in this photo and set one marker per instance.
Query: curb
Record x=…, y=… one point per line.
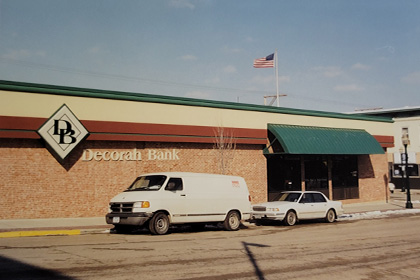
x=28, y=233
x=64, y=231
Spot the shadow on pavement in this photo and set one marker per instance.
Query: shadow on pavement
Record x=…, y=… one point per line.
x=13, y=269
x=251, y=257
x=187, y=228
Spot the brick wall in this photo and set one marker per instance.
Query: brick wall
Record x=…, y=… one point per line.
x=35, y=185
x=373, y=179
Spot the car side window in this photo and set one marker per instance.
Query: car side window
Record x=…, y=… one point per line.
x=307, y=198
x=319, y=198
x=174, y=184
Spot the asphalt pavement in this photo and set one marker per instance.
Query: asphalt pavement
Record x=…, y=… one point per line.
x=75, y=226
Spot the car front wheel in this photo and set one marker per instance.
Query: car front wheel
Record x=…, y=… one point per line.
x=290, y=219
x=330, y=217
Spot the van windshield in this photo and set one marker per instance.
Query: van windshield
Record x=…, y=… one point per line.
x=147, y=183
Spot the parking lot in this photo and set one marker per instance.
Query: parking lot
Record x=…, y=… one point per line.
x=387, y=248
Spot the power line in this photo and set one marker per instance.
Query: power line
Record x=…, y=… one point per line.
x=121, y=77
x=166, y=83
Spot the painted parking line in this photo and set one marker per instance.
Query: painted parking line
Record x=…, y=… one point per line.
x=38, y=233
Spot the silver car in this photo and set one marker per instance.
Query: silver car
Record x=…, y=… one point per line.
x=293, y=206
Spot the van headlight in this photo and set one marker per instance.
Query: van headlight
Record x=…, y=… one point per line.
x=139, y=205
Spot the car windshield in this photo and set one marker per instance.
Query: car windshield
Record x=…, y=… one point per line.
x=291, y=197
x=147, y=183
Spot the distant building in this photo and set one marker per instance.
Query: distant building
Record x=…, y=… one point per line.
x=406, y=121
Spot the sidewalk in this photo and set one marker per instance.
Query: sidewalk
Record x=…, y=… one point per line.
x=75, y=226
x=396, y=201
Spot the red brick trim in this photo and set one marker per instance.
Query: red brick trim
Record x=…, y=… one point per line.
x=25, y=127
x=385, y=141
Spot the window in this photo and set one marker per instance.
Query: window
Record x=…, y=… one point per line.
x=174, y=184
x=319, y=198
x=291, y=197
x=307, y=198
x=312, y=198
x=316, y=173
x=147, y=183
x=345, y=177
x=344, y=172
x=412, y=171
x=404, y=132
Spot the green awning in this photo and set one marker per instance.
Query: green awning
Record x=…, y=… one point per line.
x=293, y=139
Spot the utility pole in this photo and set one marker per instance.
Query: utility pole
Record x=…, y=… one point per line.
x=274, y=98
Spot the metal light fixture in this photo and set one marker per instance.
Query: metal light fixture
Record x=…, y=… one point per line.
x=406, y=141
x=402, y=158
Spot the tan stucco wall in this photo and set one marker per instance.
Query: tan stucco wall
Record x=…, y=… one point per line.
x=44, y=105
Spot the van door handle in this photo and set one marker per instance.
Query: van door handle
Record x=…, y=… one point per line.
x=183, y=195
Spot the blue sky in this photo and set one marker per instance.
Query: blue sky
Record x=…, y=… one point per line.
x=333, y=55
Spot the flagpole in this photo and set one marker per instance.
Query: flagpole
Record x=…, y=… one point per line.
x=277, y=78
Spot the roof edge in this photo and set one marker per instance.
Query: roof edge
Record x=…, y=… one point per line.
x=142, y=97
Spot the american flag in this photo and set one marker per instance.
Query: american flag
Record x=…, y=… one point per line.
x=265, y=62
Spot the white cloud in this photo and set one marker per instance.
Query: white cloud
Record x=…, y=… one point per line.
x=412, y=78
x=227, y=49
x=230, y=69
x=213, y=81
x=249, y=39
x=188, y=57
x=329, y=71
x=95, y=50
x=389, y=49
x=182, y=4
x=348, y=88
x=23, y=54
x=360, y=66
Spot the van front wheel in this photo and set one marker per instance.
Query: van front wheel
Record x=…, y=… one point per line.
x=159, y=224
x=232, y=221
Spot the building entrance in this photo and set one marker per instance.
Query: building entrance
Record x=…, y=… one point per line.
x=334, y=175
x=284, y=174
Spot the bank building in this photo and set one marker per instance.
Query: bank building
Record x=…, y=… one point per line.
x=64, y=152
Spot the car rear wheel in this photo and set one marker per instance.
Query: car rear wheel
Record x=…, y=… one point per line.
x=290, y=219
x=330, y=217
x=159, y=224
x=232, y=221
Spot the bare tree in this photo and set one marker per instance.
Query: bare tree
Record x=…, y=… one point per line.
x=225, y=146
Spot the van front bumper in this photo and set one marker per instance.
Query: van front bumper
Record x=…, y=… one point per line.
x=133, y=219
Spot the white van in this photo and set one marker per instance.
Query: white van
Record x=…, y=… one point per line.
x=158, y=200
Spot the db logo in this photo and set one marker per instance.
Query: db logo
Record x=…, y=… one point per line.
x=66, y=134
x=63, y=131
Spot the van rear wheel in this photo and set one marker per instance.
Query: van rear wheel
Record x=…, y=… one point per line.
x=232, y=221
x=159, y=224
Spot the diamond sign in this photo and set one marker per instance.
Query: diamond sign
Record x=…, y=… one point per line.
x=63, y=131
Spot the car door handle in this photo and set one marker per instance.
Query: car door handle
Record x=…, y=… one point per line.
x=183, y=195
